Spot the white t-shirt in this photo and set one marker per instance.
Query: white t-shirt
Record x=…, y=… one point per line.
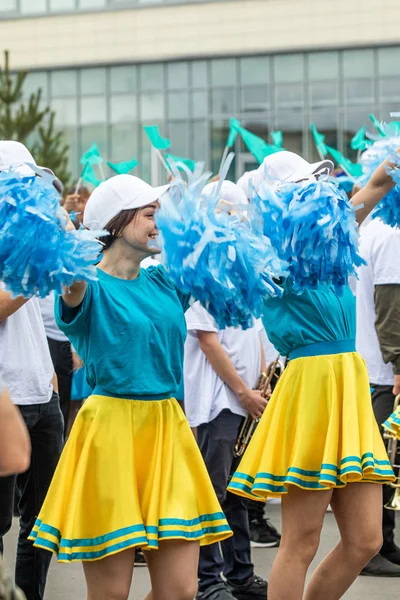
x=206, y=394
x=380, y=247
x=49, y=322
x=26, y=369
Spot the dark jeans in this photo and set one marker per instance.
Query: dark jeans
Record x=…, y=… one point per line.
x=382, y=403
x=61, y=355
x=216, y=441
x=45, y=425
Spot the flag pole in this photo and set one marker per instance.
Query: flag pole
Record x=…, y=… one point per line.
x=78, y=185
x=223, y=159
x=162, y=160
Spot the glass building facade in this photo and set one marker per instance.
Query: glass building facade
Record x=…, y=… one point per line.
x=192, y=102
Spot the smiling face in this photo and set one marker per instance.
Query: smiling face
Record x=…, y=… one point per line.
x=141, y=233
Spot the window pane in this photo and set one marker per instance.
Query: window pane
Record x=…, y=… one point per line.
x=199, y=74
x=200, y=103
x=178, y=75
x=8, y=5
x=289, y=67
x=151, y=77
x=200, y=141
x=178, y=134
x=93, y=81
x=323, y=65
x=292, y=127
x=223, y=101
x=123, y=108
x=63, y=83
x=359, y=91
x=91, y=3
x=255, y=98
x=33, y=82
x=358, y=63
x=62, y=5
x=178, y=105
x=389, y=89
x=223, y=71
x=66, y=110
x=254, y=70
x=123, y=79
x=389, y=61
x=323, y=94
x=93, y=110
x=124, y=142
x=290, y=94
x=151, y=107
x=219, y=135
x=33, y=6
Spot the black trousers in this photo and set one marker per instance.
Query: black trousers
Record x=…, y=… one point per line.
x=382, y=403
x=45, y=425
x=61, y=355
x=217, y=441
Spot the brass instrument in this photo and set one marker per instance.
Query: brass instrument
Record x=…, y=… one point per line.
x=393, y=450
x=250, y=424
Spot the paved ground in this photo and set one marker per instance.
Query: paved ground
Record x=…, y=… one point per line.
x=66, y=581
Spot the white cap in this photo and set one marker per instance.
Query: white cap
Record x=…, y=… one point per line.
x=288, y=166
x=244, y=181
x=122, y=192
x=15, y=155
x=230, y=192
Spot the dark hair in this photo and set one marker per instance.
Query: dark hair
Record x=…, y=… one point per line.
x=82, y=191
x=116, y=226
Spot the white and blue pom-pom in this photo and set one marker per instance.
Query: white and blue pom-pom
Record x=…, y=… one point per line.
x=37, y=255
x=312, y=225
x=221, y=259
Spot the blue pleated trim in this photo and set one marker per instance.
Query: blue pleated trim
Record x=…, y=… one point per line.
x=137, y=536
x=250, y=484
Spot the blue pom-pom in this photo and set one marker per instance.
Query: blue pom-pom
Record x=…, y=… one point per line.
x=312, y=225
x=37, y=255
x=221, y=259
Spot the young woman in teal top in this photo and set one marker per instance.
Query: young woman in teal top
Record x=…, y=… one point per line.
x=318, y=442
x=131, y=473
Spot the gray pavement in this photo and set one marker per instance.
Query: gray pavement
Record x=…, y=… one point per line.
x=66, y=582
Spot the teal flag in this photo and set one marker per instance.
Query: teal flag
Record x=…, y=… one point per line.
x=124, y=166
x=156, y=138
x=257, y=146
x=353, y=169
x=359, y=142
x=277, y=138
x=89, y=175
x=319, y=140
x=91, y=156
x=234, y=127
x=186, y=161
x=378, y=125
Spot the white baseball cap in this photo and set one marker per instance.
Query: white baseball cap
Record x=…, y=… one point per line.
x=15, y=155
x=244, y=181
x=230, y=192
x=121, y=192
x=288, y=166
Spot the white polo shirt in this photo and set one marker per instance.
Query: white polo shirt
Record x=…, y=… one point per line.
x=380, y=247
x=206, y=394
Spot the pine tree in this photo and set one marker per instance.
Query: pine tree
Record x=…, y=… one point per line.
x=26, y=120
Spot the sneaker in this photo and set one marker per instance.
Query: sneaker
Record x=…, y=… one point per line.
x=256, y=588
x=140, y=560
x=380, y=567
x=219, y=591
x=263, y=534
x=393, y=555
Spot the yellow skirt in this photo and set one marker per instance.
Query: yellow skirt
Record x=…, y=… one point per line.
x=318, y=431
x=131, y=474
x=393, y=423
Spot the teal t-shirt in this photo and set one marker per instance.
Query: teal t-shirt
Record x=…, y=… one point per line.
x=315, y=316
x=129, y=334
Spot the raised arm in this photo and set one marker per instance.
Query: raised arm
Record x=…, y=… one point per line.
x=9, y=305
x=377, y=187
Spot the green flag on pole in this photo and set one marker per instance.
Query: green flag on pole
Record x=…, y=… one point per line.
x=178, y=159
x=124, y=166
x=277, y=138
x=91, y=156
x=359, y=142
x=352, y=169
x=319, y=140
x=256, y=145
x=89, y=175
x=378, y=125
x=156, y=138
x=234, y=127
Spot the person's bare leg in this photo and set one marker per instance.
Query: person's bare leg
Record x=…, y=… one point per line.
x=302, y=518
x=110, y=578
x=358, y=513
x=173, y=570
